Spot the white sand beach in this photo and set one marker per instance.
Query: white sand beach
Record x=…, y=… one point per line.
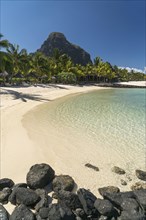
x=19, y=152
x=134, y=83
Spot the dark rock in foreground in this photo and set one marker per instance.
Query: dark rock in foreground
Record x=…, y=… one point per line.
x=4, y=215
x=91, y=166
x=118, y=198
x=104, y=207
x=22, y=213
x=44, y=199
x=118, y=170
x=80, y=213
x=63, y=182
x=131, y=215
x=141, y=197
x=141, y=174
x=129, y=203
x=4, y=195
x=70, y=199
x=87, y=200
x=44, y=212
x=24, y=196
x=58, y=212
x=39, y=176
x=58, y=40
x=23, y=185
x=6, y=182
x=108, y=189
x=84, y=205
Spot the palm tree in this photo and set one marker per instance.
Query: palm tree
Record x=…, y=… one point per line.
x=97, y=60
x=3, y=43
x=3, y=55
x=65, y=63
x=17, y=59
x=79, y=70
x=4, y=58
x=40, y=67
x=25, y=64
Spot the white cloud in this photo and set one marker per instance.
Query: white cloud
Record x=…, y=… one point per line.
x=134, y=69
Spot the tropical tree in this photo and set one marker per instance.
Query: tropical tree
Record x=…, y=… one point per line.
x=123, y=75
x=25, y=64
x=65, y=63
x=97, y=60
x=66, y=78
x=40, y=67
x=78, y=69
x=4, y=58
x=15, y=59
x=88, y=71
x=4, y=44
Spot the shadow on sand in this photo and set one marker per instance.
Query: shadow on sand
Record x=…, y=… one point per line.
x=51, y=86
x=23, y=96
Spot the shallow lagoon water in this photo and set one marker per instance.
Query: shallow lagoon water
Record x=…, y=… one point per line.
x=105, y=119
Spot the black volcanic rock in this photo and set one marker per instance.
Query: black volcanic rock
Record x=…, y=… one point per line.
x=141, y=197
x=4, y=215
x=45, y=199
x=87, y=200
x=24, y=196
x=4, y=195
x=40, y=175
x=104, y=207
x=60, y=212
x=70, y=199
x=22, y=212
x=141, y=174
x=58, y=40
x=64, y=182
x=6, y=182
x=108, y=189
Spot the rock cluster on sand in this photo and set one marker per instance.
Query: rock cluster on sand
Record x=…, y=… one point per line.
x=33, y=202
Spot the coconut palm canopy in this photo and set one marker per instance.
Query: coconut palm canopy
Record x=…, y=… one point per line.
x=3, y=43
x=17, y=66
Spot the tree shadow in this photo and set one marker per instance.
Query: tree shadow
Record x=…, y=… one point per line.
x=24, y=97
x=51, y=86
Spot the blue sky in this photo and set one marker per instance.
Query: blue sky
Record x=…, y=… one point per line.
x=113, y=30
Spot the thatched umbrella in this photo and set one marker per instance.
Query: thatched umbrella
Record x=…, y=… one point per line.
x=4, y=75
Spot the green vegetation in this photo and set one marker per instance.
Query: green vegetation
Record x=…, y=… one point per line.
x=66, y=78
x=18, y=67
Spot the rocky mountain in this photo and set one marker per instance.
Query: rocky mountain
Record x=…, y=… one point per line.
x=58, y=40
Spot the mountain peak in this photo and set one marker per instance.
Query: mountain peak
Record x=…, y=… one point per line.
x=56, y=35
x=58, y=40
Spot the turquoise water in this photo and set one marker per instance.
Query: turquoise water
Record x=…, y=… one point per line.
x=112, y=118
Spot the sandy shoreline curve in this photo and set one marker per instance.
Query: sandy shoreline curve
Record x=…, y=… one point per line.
x=19, y=152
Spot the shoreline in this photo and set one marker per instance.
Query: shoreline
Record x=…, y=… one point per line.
x=15, y=140
x=15, y=143
x=19, y=152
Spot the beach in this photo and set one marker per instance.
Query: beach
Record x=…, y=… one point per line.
x=134, y=83
x=19, y=152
